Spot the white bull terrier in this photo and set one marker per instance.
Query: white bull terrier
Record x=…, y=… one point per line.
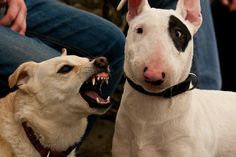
x=161, y=113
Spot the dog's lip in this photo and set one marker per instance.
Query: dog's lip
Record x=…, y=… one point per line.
x=99, y=100
x=91, y=90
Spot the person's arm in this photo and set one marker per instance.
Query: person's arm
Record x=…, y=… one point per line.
x=15, y=16
x=231, y=4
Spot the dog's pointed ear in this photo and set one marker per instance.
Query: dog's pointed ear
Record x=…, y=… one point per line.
x=22, y=74
x=135, y=7
x=63, y=52
x=190, y=10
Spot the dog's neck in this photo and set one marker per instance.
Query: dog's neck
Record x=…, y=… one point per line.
x=172, y=91
x=43, y=151
x=51, y=130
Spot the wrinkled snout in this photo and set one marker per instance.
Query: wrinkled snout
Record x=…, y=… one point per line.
x=154, y=76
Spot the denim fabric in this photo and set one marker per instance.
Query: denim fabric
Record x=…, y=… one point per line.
x=205, y=60
x=52, y=25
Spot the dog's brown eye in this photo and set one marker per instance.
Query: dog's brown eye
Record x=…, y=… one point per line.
x=65, y=69
x=178, y=33
x=139, y=30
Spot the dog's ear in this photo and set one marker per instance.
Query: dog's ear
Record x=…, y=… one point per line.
x=190, y=10
x=135, y=7
x=22, y=74
x=63, y=52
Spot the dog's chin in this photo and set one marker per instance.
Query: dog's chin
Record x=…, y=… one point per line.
x=91, y=91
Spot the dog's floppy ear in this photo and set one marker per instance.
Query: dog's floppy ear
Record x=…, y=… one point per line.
x=135, y=7
x=190, y=10
x=22, y=74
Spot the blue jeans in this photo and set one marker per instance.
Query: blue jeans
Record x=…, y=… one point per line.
x=205, y=60
x=52, y=25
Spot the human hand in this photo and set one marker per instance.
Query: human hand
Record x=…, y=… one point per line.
x=231, y=4
x=15, y=16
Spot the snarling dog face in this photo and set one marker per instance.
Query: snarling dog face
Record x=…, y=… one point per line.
x=65, y=84
x=159, y=45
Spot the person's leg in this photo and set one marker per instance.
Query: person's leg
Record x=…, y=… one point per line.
x=59, y=26
x=82, y=33
x=206, y=58
x=16, y=49
x=205, y=61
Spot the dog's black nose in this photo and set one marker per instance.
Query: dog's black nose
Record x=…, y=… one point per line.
x=101, y=62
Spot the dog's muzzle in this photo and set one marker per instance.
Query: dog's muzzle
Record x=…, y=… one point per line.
x=92, y=89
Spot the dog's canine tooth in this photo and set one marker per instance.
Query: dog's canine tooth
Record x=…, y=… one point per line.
x=108, y=98
x=93, y=81
x=107, y=80
x=48, y=155
x=97, y=99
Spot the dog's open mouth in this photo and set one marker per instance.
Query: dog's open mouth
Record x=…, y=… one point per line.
x=91, y=90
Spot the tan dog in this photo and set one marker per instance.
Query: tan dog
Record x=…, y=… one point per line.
x=51, y=104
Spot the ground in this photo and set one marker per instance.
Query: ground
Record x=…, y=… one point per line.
x=99, y=141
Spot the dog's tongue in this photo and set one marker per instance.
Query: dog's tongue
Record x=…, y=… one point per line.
x=97, y=98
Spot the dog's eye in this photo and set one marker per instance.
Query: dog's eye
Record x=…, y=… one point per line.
x=65, y=69
x=178, y=33
x=139, y=30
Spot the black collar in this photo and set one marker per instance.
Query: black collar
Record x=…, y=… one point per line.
x=43, y=151
x=172, y=91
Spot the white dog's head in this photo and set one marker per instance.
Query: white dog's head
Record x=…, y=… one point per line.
x=159, y=43
x=64, y=85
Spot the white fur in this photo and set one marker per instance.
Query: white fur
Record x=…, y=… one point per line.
x=49, y=102
x=196, y=123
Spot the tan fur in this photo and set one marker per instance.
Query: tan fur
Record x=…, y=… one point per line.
x=5, y=111
x=5, y=148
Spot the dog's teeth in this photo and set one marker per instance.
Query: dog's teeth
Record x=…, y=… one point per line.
x=108, y=98
x=107, y=81
x=93, y=81
x=48, y=154
x=97, y=99
x=98, y=78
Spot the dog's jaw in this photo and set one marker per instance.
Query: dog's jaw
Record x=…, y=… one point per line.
x=92, y=92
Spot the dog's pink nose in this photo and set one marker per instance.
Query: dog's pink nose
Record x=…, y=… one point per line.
x=153, y=76
x=101, y=62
